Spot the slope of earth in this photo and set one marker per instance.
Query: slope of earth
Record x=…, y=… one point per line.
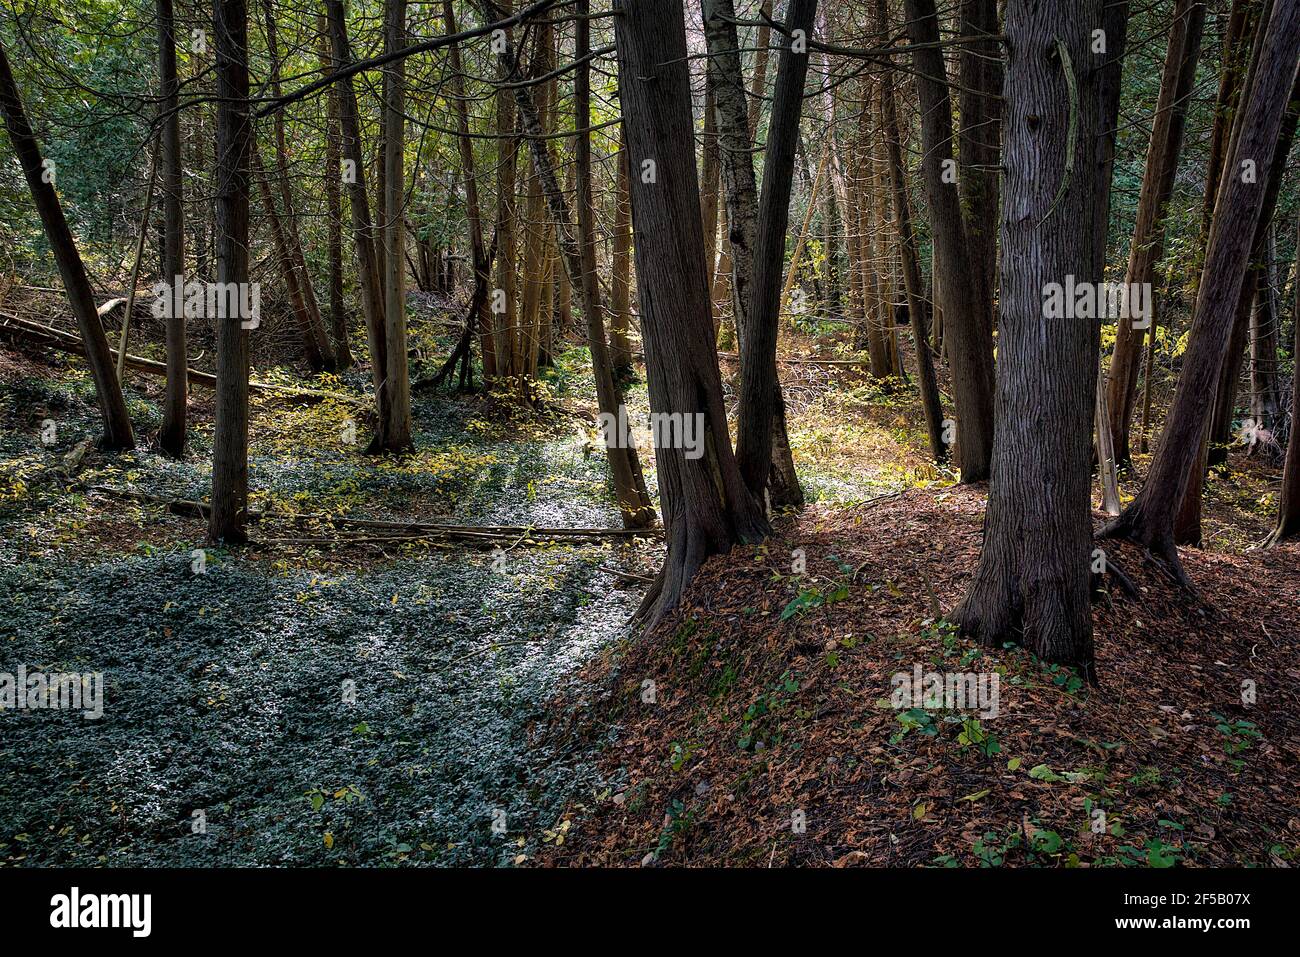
x=758, y=726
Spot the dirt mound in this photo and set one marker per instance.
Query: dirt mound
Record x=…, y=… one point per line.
x=758, y=726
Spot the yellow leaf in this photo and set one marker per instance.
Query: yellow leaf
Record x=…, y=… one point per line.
x=976, y=796
x=918, y=812
x=329, y=839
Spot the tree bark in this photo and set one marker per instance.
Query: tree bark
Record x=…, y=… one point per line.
x=369, y=279
x=40, y=180
x=1032, y=584
x=172, y=434
x=980, y=137
x=967, y=318
x=1288, y=503
x=229, y=515
x=334, y=208
x=1147, y=246
x=1149, y=519
x=397, y=434
x=706, y=507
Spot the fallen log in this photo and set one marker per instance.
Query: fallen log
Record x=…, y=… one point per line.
x=19, y=329
x=397, y=530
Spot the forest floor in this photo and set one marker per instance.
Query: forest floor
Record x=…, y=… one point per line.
x=509, y=693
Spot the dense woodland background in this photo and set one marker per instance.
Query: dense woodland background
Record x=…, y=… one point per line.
x=827, y=230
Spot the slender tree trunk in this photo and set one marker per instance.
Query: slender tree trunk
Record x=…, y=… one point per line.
x=1032, y=584
x=620, y=280
x=1149, y=519
x=743, y=223
x=1265, y=393
x=311, y=317
x=917, y=308
x=478, y=251
x=706, y=506
x=1288, y=504
x=967, y=317
x=1147, y=246
x=980, y=137
x=580, y=258
x=172, y=434
x=398, y=432
x=369, y=279
x=229, y=513
x=40, y=180
x=334, y=208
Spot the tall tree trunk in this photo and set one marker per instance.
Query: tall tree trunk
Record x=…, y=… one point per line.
x=229, y=513
x=967, y=318
x=311, y=317
x=580, y=259
x=1032, y=584
x=397, y=435
x=620, y=279
x=478, y=251
x=706, y=506
x=334, y=207
x=760, y=389
x=40, y=180
x=369, y=279
x=1147, y=246
x=506, y=306
x=1149, y=519
x=1265, y=393
x=980, y=137
x=172, y=435
x=734, y=145
x=1288, y=503
x=918, y=310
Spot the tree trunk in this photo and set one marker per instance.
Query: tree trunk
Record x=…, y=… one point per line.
x=1147, y=246
x=1288, y=503
x=311, y=317
x=334, y=208
x=172, y=435
x=743, y=225
x=369, y=279
x=397, y=435
x=478, y=251
x=918, y=310
x=967, y=319
x=760, y=389
x=229, y=514
x=1149, y=519
x=40, y=180
x=980, y=137
x=1032, y=584
x=706, y=506
x=1265, y=393
x=620, y=279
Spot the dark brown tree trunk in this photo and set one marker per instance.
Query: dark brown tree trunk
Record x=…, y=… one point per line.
x=1149, y=519
x=620, y=280
x=707, y=508
x=369, y=280
x=980, y=137
x=1032, y=584
x=760, y=389
x=172, y=434
x=478, y=250
x=742, y=217
x=314, y=325
x=1265, y=392
x=229, y=514
x=1147, y=246
x=918, y=310
x=1288, y=504
x=967, y=316
x=40, y=180
x=397, y=434
x=334, y=208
